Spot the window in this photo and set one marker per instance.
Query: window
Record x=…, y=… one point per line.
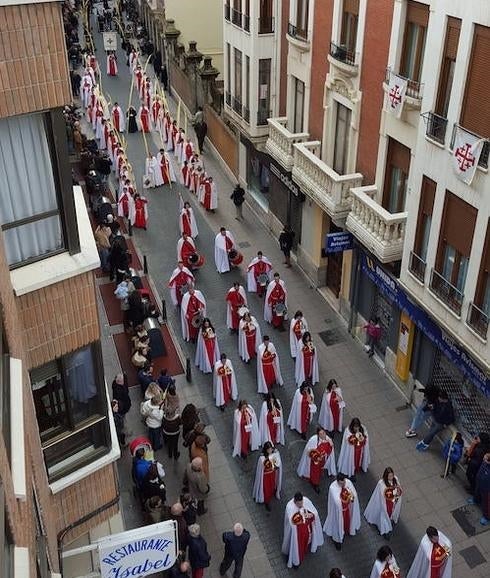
x=266, y=20
x=350, y=18
x=5, y=389
x=71, y=410
x=298, y=105
x=342, y=130
x=236, y=15
x=228, y=74
x=302, y=11
x=6, y=541
x=237, y=97
x=227, y=10
x=246, y=15
x=448, y=66
x=264, y=111
x=396, y=177
x=246, y=111
x=479, y=310
x=424, y=220
x=414, y=41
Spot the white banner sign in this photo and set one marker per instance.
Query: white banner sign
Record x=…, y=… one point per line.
x=466, y=154
x=397, y=89
x=139, y=552
x=110, y=40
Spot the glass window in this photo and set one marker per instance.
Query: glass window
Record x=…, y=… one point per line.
x=348, y=35
x=299, y=105
x=413, y=53
x=265, y=17
x=397, y=184
x=342, y=130
x=71, y=410
x=247, y=82
x=238, y=74
x=426, y=224
x=302, y=18
x=454, y=267
x=264, y=90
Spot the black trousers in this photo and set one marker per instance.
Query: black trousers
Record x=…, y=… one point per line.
x=226, y=563
x=172, y=443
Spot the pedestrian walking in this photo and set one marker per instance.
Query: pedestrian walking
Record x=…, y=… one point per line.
x=201, y=130
x=236, y=543
x=286, y=239
x=433, y=557
x=199, y=556
x=424, y=410
x=195, y=480
x=442, y=416
x=383, y=509
x=238, y=198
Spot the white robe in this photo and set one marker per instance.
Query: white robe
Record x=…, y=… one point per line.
x=251, y=282
x=237, y=431
x=293, y=342
x=213, y=200
x=158, y=170
x=303, y=469
x=325, y=417
x=290, y=540
x=242, y=338
x=202, y=360
x=180, y=242
x=294, y=419
x=217, y=383
x=122, y=119
x=346, y=456
x=265, y=434
x=241, y=290
x=376, y=513
x=420, y=567
x=220, y=252
x=258, y=487
x=120, y=205
x=261, y=384
x=150, y=171
x=334, y=524
x=192, y=219
x=378, y=567
x=267, y=307
x=183, y=311
x=171, y=283
x=299, y=370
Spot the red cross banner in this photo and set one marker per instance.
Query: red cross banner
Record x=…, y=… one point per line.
x=466, y=154
x=397, y=89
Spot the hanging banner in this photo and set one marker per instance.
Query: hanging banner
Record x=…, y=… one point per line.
x=466, y=154
x=397, y=89
x=405, y=345
x=110, y=40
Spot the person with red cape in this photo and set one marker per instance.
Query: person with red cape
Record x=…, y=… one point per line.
x=302, y=409
x=259, y=274
x=185, y=249
x=187, y=221
x=354, y=452
x=332, y=408
x=181, y=277
x=224, y=382
x=249, y=337
x=111, y=64
x=343, y=513
x=276, y=299
x=297, y=328
x=383, y=509
x=235, y=300
x=385, y=565
x=306, y=368
x=271, y=422
x=192, y=310
x=246, y=436
x=318, y=455
x=268, y=368
x=207, y=350
x=268, y=476
x=144, y=119
x=140, y=208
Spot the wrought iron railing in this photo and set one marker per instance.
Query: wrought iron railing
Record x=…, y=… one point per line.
x=246, y=114
x=414, y=88
x=228, y=98
x=266, y=24
x=296, y=32
x=485, y=153
x=262, y=116
x=227, y=12
x=477, y=320
x=237, y=105
x=436, y=127
x=342, y=53
x=236, y=17
x=246, y=22
x=446, y=292
x=417, y=266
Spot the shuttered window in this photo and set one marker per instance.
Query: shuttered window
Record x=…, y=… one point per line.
x=482, y=296
x=475, y=115
x=396, y=177
x=350, y=18
x=424, y=220
x=447, y=66
x=414, y=40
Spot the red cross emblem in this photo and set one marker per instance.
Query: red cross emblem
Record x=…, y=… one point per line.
x=395, y=96
x=464, y=157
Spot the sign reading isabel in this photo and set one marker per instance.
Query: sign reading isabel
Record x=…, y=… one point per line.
x=139, y=552
x=337, y=242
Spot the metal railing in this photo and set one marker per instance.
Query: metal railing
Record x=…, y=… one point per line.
x=236, y=17
x=417, y=266
x=414, y=88
x=246, y=114
x=485, y=153
x=237, y=105
x=266, y=24
x=246, y=22
x=343, y=54
x=296, y=32
x=436, y=126
x=446, y=292
x=228, y=98
x=478, y=320
x=262, y=116
x=227, y=12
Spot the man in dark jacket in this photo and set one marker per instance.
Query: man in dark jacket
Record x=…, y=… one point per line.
x=286, y=243
x=442, y=416
x=198, y=551
x=236, y=543
x=120, y=392
x=238, y=198
x=201, y=130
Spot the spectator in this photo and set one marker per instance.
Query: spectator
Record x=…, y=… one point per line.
x=145, y=377
x=191, y=436
x=199, y=449
x=119, y=259
x=153, y=389
x=120, y=392
x=201, y=130
x=171, y=422
x=452, y=452
x=119, y=423
x=286, y=239
x=152, y=411
x=122, y=292
x=165, y=380
x=474, y=458
x=431, y=393
x=176, y=513
x=195, y=480
x=153, y=484
x=189, y=506
x=136, y=312
x=482, y=490
x=190, y=417
x=164, y=77
x=181, y=569
x=140, y=467
x=154, y=507
x=236, y=543
x=238, y=198
x=139, y=359
x=198, y=117
x=443, y=416
x=198, y=551
x=157, y=63
x=373, y=334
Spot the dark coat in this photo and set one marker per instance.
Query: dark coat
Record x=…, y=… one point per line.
x=198, y=552
x=443, y=412
x=236, y=546
x=121, y=394
x=286, y=240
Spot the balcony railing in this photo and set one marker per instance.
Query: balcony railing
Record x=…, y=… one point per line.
x=246, y=22
x=266, y=24
x=227, y=12
x=298, y=33
x=281, y=140
x=236, y=17
x=246, y=114
x=228, y=98
x=417, y=266
x=340, y=52
x=414, y=88
x=320, y=182
x=477, y=320
x=237, y=105
x=379, y=230
x=262, y=116
x=485, y=153
x=436, y=126
x=447, y=293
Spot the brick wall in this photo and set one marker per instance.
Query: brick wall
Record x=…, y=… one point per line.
x=33, y=63
x=375, y=57
x=179, y=82
x=222, y=138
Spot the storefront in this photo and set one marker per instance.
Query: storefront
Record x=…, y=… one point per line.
x=414, y=347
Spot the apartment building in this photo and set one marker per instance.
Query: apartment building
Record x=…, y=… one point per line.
x=423, y=222
x=58, y=483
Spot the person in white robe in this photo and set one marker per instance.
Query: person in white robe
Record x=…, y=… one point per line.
x=125, y=205
x=332, y=409
x=276, y=293
x=297, y=328
x=302, y=530
x=343, y=513
x=180, y=246
x=249, y=337
x=224, y=382
x=165, y=174
x=236, y=300
x=268, y=476
x=181, y=276
x=207, y=350
x=383, y=509
x=259, y=265
x=245, y=430
x=268, y=367
x=306, y=368
x=193, y=304
x=223, y=244
x=271, y=420
x=118, y=118
x=354, y=452
x=187, y=221
x=433, y=557
x=385, y=565
x=150, y=172
x=318, y=455
x=302, y=409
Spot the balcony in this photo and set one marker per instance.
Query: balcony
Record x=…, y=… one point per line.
x=263, y=116
x=477, y=320
x=246, y=114
x=343, y=59
x=382, y=232
x=266, y=25
x=237, y=105
x=227, y=12
x=236, y=17
x=228, y=98
x=417, y=266
x=435, y=127
x=485, y=153
x=280, y=142
x=327, y=188
x=414, y=92
x=298, y=37
x=246, y=22
x=447, y=293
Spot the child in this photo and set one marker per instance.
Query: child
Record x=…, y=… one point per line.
x=453, y=449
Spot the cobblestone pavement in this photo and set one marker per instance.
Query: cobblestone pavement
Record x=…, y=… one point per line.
x=369, y=394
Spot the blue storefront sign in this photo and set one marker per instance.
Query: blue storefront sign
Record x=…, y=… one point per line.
x=337, y=242
x=392, y=291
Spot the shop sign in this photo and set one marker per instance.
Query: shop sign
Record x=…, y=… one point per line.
x=393, y=292
x=139, y=552
x=285, y=179
x=337, y=242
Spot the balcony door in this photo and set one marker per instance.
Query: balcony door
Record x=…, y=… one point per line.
x=342, y=131
x=350, y=19
x=396, y=176
x=302, y=11
x=414, y=40
x=265, y=16
x=298, y=105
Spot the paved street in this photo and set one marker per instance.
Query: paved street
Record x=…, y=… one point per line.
x=369, y=395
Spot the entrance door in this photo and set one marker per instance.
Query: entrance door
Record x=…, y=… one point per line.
x=383, y=310
x=334, y=266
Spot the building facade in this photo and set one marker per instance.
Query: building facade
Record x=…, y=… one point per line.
x=58, y=483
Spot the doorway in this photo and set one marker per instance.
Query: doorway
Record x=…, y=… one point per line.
x=334, y=266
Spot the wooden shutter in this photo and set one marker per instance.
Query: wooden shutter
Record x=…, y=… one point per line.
x=417, y=13
x=458, y=224
x=475, y=115
x=351, y=6
x=399, y=155
x=427, y=196
x=452, y=38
